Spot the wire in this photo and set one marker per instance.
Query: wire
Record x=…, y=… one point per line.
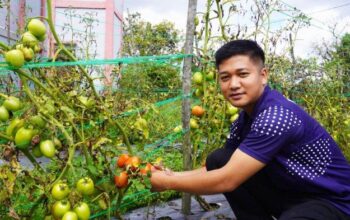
x=328, y=9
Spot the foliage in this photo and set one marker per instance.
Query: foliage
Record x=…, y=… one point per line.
x=142, y=38
x=154, y=81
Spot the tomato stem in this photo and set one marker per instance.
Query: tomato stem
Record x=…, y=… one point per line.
x=6, y=137
x=32, y=159
x=4, y=46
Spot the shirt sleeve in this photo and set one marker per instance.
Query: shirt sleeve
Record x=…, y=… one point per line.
x=272, y=129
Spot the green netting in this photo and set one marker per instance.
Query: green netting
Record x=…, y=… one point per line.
x=127, y=60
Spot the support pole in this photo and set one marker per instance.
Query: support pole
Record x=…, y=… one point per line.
x=186, y=103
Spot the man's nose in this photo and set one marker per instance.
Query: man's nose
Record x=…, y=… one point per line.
x=234, y=82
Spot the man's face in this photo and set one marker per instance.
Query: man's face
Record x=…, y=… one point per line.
x=242, y=81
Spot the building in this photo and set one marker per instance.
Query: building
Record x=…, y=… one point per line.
x=91, y=28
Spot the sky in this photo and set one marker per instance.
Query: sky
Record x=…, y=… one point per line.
x=324, y=14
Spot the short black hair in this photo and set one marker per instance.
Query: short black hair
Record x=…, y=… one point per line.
x=240, y=47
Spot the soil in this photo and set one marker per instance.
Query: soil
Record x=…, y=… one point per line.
x=172, y=210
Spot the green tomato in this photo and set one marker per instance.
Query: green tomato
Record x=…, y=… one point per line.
x=197, y=78
x=86, y=186
x=87, y=102
x=60, y=191
x=60, y=208
x=231, y=110
x=83, y=211
x=12, y=103
x=15, y=58
x=36, y=27
x=28, y=53
x=13, y=127
x=102, y=204
x=193, y=123
x=37, y=152
x=177, y=128
x=50, y=108
x=70, y=216
x=233, y=118
x=4, y=114
x=210, y=76
x=198, y=92
x=19, y=46
x=37, y=121
x=42, y=38
x=23, y=137
x=29, y=39
x=37, y=48
x=141, y=124
x=47, y=147
x=58, y=143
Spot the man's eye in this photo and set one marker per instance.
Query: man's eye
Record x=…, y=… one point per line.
x=224, y=78
x=244, y=74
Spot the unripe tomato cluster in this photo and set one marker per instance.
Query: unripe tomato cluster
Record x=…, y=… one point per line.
x=26, y=132
x=232, y=112
x=28, y=45
x=62, y=208
x=130, y=167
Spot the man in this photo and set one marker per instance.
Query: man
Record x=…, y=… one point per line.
x=278, y=161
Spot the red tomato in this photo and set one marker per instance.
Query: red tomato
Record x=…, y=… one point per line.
x=148, y=168
x=121, y=181
x=133, y=162
x=122, y=160
x=198, y=111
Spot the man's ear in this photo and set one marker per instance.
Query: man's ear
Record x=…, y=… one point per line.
x=265, y=75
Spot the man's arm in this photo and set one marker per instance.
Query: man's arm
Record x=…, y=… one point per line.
x=240, y=167
x=190, y=172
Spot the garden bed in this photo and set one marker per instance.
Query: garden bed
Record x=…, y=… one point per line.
x=172, y=210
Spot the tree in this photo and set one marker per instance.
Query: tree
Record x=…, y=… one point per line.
x=142, y=38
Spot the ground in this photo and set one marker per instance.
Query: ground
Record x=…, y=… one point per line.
x=172, y=210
